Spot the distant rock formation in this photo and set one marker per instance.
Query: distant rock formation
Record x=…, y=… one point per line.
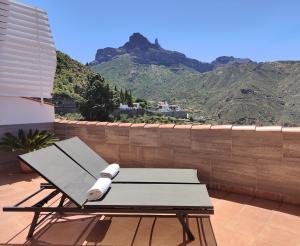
x=224, y=60
x=145, y=52
x=157, y=43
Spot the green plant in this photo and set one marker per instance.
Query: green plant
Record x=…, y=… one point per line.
x=27, y=142
x=98, y=100
x=69, y=116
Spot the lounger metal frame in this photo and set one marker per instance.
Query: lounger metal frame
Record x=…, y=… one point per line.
x=38, y=207
x=84, y=207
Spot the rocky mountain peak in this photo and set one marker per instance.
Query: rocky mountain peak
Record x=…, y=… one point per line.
x=137, y=41
x=156, y=43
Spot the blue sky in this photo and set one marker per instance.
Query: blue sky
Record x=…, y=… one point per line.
x=263, y=30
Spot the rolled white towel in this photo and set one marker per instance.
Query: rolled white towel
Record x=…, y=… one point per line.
x=110, y=171
x=98, y=189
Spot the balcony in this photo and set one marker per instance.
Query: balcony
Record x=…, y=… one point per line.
x=252, y=174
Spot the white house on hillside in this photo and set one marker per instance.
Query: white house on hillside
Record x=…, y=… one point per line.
x=27, y=64
x=135, y=106
x=164, y=107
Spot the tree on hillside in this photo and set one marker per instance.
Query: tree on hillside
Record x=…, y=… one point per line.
x=98, y=99
x=121, y=96
x=116, y=96
x=143, y=103
x=126, y=97
x=129, y=100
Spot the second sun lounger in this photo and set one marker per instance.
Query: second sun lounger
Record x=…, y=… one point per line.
x=88, y=159
x=72, y=181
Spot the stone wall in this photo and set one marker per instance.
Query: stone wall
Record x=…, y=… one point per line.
x=9, y=160
x=261, y=161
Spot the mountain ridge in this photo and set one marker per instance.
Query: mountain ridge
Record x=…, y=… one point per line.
x=145, y=52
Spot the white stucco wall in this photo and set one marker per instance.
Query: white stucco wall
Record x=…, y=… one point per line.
x=16, y=110
x=27, y=64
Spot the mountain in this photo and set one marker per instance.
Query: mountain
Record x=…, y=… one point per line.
x=144, y=52
x=227, y=90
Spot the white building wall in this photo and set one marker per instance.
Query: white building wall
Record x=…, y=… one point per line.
x=16, y=110
x=27, y=64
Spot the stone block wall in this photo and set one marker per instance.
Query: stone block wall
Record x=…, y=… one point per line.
x=260, y=161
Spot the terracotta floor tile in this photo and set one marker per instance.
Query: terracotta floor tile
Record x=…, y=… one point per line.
x=226, y=210
x=259, y=242
x=285, y=221
x=223, y=235
x=278, y=236
x=227, y=237
x=247, y=226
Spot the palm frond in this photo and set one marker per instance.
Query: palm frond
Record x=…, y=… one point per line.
x=26, y=142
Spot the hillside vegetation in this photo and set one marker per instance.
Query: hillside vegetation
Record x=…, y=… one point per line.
x=95, y=98
x=71, y=77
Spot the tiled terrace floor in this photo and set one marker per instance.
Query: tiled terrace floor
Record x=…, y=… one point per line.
x=238, y=220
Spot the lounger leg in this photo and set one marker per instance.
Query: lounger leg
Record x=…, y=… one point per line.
x=62, y=200
x=33, y=224
x=183, y=221
x=61, y=203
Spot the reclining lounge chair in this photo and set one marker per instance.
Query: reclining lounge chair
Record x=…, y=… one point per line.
x=69, y=179
x=89, y=160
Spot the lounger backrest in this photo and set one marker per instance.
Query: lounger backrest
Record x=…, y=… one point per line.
x=61, y=171
x=81, y=153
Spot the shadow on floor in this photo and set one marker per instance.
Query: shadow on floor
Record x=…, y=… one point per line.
x=117, y=230
x=256, y=202
x=13, y=175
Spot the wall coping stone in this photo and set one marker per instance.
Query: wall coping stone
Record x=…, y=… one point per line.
x=64, y=121
x=82, y=122
x=125, y=124
x=167, y=126
x=101, y=123
x=72, y=122
x=183, y=127
x=113, y=124
x=268, y=128
x=291, y=129
x=151, y=125
x=193, y=127
x=201, y=127
x=92, y=123
x=243, y=128
x=221, y=127
x=138, y=125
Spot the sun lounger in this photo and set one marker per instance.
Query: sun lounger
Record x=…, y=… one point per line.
x=72, y=181
x=88, y=159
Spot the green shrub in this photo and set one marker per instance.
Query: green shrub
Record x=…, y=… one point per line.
x=27, y=142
